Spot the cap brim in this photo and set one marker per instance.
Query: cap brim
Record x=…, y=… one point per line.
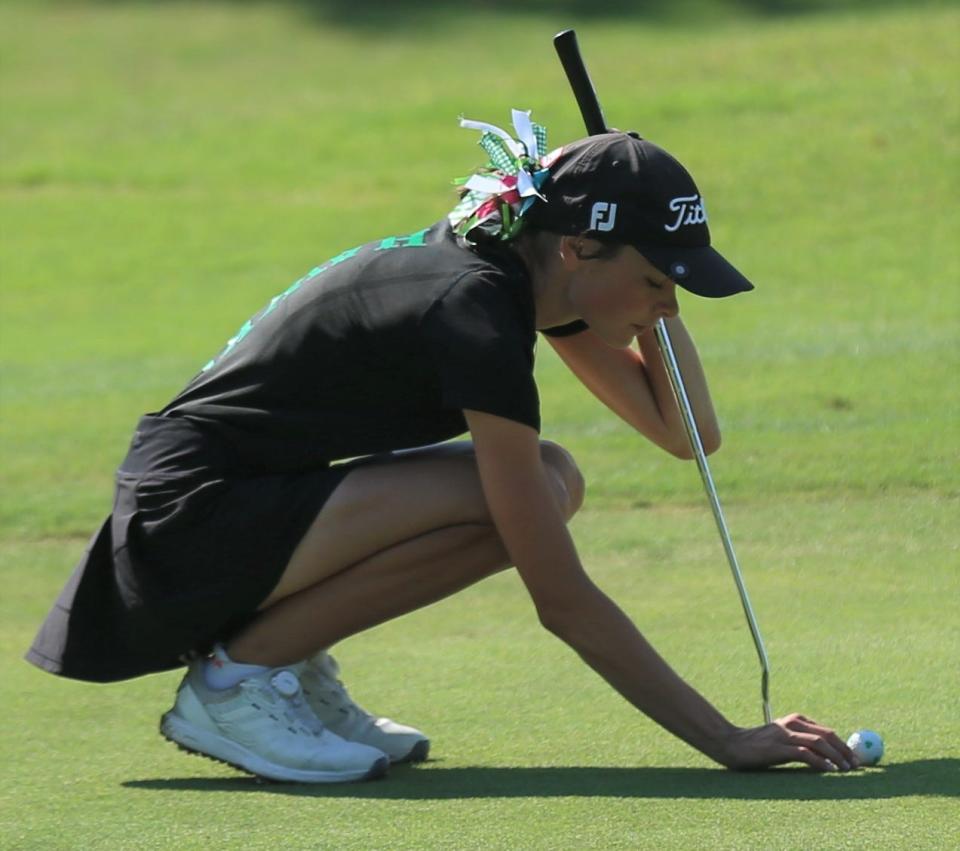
x=702, y=271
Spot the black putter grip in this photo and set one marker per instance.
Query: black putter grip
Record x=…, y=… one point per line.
x=569, y=52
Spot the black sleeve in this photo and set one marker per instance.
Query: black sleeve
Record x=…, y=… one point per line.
x=567, y=330
x=482, y=346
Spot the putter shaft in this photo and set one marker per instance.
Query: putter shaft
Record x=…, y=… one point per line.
x=680, y=391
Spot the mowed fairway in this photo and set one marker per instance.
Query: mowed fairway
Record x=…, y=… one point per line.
x=167, y=168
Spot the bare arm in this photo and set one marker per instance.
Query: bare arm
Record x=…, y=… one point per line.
x=634, y=384
x=573, y=608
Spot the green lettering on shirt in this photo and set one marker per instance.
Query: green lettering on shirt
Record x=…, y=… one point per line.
x=345, y=255
x=413, y=240
x=276, y=300
x=245, y=329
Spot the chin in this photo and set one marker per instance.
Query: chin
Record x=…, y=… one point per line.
x=617, y=338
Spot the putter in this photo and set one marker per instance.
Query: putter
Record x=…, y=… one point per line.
x=569, y=52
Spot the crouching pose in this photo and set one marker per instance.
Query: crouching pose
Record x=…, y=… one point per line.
x=297, y=491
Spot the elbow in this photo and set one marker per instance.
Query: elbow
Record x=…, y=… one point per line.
x=573, y=613
x=709, y=440
x=683, y=451
x=563, y=617
x=553, y=621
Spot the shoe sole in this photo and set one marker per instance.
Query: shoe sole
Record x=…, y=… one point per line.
x=202, y=743
x=418, y=753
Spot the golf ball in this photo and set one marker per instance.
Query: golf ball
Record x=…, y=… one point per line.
x=867, y=745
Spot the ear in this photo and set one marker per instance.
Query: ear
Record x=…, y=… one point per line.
x=577, y=249
x=571, y=247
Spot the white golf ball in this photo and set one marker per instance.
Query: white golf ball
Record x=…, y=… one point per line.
x=867, y=745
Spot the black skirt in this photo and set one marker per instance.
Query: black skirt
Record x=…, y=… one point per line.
x=193, y=546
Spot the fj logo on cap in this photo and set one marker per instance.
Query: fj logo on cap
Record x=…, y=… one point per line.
x=689, y=210
x=603, y=216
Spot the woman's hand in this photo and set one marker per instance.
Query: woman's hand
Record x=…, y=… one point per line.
x=793, y=738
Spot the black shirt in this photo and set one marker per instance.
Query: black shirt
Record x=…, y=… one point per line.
x=380, y=348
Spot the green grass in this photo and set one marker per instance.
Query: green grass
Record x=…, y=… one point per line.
x=167, y=168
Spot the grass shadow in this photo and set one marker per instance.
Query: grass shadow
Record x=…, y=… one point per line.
x=928, y=777
x=392, y=16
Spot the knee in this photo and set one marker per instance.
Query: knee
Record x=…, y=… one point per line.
x=565, y=475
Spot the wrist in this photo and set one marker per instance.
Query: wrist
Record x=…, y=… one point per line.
x=722, y=745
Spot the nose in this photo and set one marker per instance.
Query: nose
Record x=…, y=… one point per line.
x=667, y=309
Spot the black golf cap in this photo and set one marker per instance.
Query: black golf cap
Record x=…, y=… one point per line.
x=621, y=188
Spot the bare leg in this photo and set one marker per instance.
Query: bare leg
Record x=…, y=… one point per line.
x=392, y=538
x=393, y=582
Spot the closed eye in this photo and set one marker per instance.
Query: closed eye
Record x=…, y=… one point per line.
x=654, y=285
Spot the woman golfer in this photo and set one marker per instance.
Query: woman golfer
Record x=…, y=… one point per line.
x=293, y=494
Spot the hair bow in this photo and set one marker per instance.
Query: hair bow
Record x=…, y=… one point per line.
x=494, y=199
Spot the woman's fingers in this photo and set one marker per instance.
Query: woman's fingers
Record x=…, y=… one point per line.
x=814, y=760
x=841, y=746
x=822, y=747
x=792, y=738
x=828, y=757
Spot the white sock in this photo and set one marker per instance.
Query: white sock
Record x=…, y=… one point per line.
x=221, y=672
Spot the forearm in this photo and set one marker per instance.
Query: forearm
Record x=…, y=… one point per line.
x=634, y=384
x=535, y=536
x=694, y=382
x=586, y=619
x=608, y=641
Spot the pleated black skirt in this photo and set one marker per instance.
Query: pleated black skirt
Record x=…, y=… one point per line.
x=192, y=547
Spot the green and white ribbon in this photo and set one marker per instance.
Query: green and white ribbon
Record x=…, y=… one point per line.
x=496, y=197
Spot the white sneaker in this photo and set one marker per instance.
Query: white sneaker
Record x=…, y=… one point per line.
x=264, y=726
x=330, y=702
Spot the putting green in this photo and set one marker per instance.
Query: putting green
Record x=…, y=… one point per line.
x=167, y=168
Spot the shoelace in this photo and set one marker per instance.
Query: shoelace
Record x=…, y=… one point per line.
x=338, y=695
x=334, y=693
x=287, y=688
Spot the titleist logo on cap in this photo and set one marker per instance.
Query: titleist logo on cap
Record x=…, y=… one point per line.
x=689, y=210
